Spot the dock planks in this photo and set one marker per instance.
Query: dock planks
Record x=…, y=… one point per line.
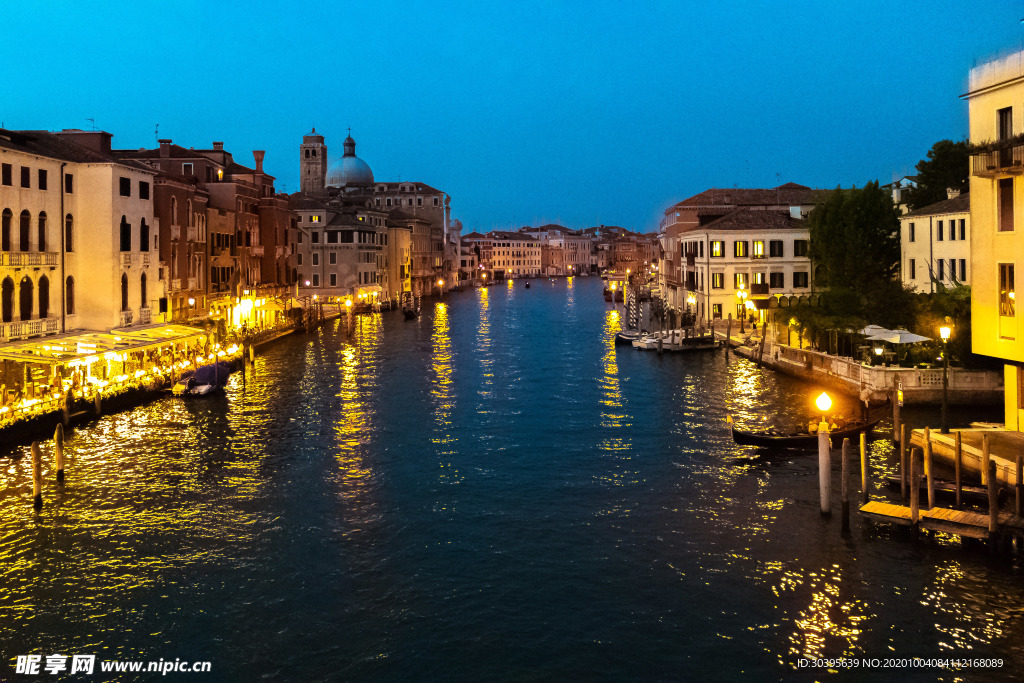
x=960, y=522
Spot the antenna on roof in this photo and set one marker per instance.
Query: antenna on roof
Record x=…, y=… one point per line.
x=156, y=132
x=92, y=122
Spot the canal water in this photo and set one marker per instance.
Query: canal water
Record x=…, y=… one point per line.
x=490, y=492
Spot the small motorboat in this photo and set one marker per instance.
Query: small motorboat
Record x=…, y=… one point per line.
x=626, y=337
x=607, y=294
x=205, y=380
x=801, y=439
x=527, y=285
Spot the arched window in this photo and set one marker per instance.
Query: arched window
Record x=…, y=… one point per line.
x=69, y=296
x=126, y=235
x=174, y=210
x=42, y=231
x=69, y=233
x=25, y=298
x=5, y=235
x=142, y=290
x=7, y=296
x=44, y=297
x=26, y=219
x=124, y=292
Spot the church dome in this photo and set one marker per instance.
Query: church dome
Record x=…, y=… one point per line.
x=351, y=170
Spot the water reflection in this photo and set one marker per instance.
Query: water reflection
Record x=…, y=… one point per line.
x=829, y=622
x=442, y=394
x=483, y=342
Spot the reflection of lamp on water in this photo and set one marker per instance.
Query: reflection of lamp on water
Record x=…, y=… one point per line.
x=945, y=332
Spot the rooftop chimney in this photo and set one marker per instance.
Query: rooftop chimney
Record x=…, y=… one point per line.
x=165, y=147
x=952, y=193
x=219, y=146
x=257, y=154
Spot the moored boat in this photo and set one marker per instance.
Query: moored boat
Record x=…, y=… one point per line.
x=205, y=380
x=801, y=439
x=410, y=313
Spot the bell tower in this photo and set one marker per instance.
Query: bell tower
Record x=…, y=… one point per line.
x=313, y=163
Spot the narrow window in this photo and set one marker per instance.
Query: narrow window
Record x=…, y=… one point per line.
x=69, y=296
x=26, y=219
x=42, y=231
x=5, y=174
x=717, y=249
x=913, y=269
x=912, y=237
x=963, y=270
x=740, y=280
x=124, y=292
x=940, y=271
x=938, y=232
x=777, y=280
x=69, y=233
x=800, y=280
x=1005, y=204
x=26, y=176
x=963, y=229
x=740, y=248
x=5, y=232
x=69, y=183
x=716, y=311
x=126, y=187
x=1006, y=293
x=143, y=236
x=126, y=237
x=42, y=179
x=44, y=297
x=143, y=190
x=142, y=291
x=186, y=169
x=800, y=249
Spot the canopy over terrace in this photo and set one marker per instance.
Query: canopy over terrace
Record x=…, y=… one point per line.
x=78, y=348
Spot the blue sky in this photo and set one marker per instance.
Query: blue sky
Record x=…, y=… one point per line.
x=581, y=113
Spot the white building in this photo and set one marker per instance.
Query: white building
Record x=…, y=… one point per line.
x=935, y=244
x=762, y=253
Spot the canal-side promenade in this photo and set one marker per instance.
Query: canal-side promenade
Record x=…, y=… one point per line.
x=491, y=491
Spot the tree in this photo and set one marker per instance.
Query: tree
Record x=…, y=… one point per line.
x=855, y=242
x=947, y=165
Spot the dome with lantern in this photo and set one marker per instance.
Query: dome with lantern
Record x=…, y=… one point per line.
x=350, y=171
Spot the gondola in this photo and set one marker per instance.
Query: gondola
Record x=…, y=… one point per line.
x=804, y=439
x=411, y=313
x=626, y=338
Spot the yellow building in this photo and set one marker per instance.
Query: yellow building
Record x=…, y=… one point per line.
x=995, y=96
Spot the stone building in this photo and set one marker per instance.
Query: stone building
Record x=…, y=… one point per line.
x=935, y=244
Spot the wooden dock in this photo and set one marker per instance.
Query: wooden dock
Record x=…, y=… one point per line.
x=959, y=522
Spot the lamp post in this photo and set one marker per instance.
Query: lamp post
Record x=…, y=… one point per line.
x=824, y=455
x=944, y=332
x=440, y=286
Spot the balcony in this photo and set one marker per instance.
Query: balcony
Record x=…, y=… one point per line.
x=175, y=232
x=193, y=283
x=127, y=318
x=192, y=234
x=691, y=259
x=145, y=316
x=145, y=259
x=256, y=251
x=29, y=328
x=20, y=259
x=1007, y=160
x=176, y=284
x=759, y=290
x=126, y=260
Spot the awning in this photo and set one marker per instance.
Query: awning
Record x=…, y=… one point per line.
x=78, y=346
x=369, y=289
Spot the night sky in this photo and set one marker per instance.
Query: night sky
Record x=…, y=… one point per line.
x=580, y=113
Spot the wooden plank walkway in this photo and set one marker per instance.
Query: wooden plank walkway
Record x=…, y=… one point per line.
x=960, y=522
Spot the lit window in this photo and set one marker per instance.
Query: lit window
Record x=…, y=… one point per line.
x=1007, y=305
x=758, y=249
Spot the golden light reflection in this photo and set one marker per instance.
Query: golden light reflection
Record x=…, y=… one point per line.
x=974, y=617
x=442, y=366
x=483, y=339
x=613, y=416
x=828, y=618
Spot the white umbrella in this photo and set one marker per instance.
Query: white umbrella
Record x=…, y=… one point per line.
x=872, y=330
x=899, y=337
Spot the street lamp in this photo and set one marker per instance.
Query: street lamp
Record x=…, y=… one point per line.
x=824, y=402
x=944, y=332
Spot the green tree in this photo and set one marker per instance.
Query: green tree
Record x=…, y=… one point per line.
x=855, y=242
x=947, y=165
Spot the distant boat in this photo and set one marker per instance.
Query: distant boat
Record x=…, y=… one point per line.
x=206, y=380
x=527, y=285
x=607, y=294
x=411, y=313
x=626, y=338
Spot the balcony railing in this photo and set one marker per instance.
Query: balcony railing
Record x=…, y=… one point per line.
x=126, y=260
x=145, y=259
x=29, y=258
x=759, y=290
x=145, y=316
x=193, y=283
x=29, y=328
x=127, y=318
x=192, y=233
x=256, y=251
x=1009, y=160
x=176, y=284
x=175, y=232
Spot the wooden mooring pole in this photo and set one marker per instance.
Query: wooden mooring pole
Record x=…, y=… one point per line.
x=844, y=487
x=728, y=335
x=958, y=465
x=915, y=488
x=37, y=476
x=904, y=474
x=993, y=500
x=58, y=449
x=825, y=469
x=984, y=459
x=897, y=425
x=928, y=467
x=864, y=467
x=1017, y=485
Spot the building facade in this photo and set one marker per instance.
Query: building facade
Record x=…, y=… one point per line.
x=935, y=244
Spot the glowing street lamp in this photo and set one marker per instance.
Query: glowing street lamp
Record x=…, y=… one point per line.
x=824, y=403
x=945, y=332
x=742, y=296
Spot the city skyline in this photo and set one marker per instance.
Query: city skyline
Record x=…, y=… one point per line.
x=526, y=114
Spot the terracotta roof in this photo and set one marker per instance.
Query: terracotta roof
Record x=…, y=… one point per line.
x=420, y=187
x=790, y=194
x=758, y=220
x=47, y=144
x=961, y=204
x=473, y=236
